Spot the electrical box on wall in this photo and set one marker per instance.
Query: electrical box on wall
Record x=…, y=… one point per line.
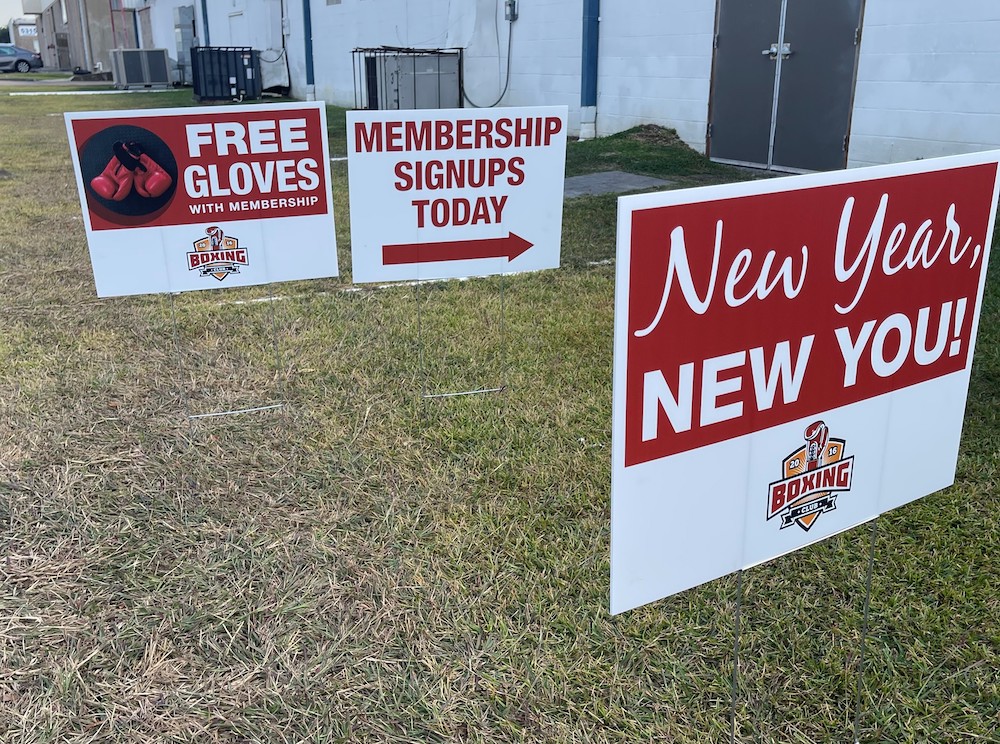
x=510, y=10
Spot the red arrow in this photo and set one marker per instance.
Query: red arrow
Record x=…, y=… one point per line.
x=455, y=250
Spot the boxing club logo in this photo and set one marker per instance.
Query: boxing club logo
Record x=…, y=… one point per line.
x=217, y=255
x=812, y=477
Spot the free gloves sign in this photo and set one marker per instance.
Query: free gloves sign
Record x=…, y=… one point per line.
x=182, y=199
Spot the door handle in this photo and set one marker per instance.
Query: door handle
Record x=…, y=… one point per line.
x=772, y=51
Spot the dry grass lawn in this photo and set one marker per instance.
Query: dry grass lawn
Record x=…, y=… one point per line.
x=360, y=566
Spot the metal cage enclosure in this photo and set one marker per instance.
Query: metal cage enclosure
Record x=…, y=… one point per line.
x=392, y=78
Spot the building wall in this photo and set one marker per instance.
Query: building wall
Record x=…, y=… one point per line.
x=339, y=27
x=91, y=35
x=295, y=52
x=161, y=20
x=545, y=60
x=655, y=58
x=928, y=80
x=544, y=54
x=108, y=30
x=58, y=18
x=253, y=23
x=164, y=35
x=24, y=33
x=655, y=65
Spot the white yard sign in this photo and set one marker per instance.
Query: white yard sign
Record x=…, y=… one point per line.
x=194, y=198
x=792, y=359
x=450, y=193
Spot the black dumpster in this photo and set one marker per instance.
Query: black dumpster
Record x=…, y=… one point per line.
x=225, y=73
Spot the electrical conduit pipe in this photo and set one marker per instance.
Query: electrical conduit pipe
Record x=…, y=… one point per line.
x=588, y=75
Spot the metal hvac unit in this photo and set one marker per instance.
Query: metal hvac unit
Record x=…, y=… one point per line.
x=404, y=78
x=225, y=73
x=140, y=68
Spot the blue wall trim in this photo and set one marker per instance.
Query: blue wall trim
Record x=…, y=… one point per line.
x=591, y=23
x=207, y=41
x=307, y=24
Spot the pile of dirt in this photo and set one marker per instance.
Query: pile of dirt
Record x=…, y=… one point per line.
x=654, y=135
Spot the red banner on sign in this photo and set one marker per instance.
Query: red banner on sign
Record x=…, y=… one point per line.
x=189, y=168
x=745, y=313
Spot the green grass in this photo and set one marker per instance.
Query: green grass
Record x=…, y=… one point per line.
x=362, y=566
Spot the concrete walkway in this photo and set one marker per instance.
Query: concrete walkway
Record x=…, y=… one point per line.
x=609, y=182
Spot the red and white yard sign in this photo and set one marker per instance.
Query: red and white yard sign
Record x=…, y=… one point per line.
x=792, y=358
x=450, y=193
x=195, y=198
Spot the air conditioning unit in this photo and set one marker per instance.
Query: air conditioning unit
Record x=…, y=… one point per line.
x=140, y=68
x=226, y=73
x=403, y=78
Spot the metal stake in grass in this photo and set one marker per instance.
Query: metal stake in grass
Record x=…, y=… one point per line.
x=420, y=351
x=424, y=395
x=736, y=656
x=279, y=365
x=864, y=632
x=179, y=359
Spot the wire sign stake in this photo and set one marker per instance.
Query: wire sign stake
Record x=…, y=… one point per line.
x=421, y=354
x=862, y=643
x=182, y=372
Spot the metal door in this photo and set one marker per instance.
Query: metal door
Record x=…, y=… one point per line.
x=817, y=85
x=62, y=51
x=742, y=91
x=783, y=81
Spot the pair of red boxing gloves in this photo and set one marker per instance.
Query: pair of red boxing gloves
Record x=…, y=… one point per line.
x=129, y=167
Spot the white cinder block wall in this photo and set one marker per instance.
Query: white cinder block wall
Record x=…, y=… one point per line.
x=339, y=28
x=928, y=80
x=545, y=49
x=254, y=23
x=545, y=56
x=655, y=66
x=161, y=21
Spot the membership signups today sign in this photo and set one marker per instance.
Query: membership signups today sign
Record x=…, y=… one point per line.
x=450, y=193
x=791, y=359
x=194, y=198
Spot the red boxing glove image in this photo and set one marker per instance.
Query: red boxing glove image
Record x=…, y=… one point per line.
x=114, y=182
x=151, y=180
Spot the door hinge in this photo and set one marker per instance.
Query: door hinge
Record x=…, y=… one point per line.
x=857, y=36
x=708, y=131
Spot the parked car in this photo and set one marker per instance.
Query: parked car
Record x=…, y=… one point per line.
x=15, y=58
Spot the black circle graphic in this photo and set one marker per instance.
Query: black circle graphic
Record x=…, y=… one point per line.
x=98, y=156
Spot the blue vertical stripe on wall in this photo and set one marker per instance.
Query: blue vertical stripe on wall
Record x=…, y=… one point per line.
x=204, y=22
x=591, y=21
x=308, y=33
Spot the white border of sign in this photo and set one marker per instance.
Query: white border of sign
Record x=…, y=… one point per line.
x=662, y=544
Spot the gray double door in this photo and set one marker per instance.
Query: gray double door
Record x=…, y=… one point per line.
x=783, y=82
